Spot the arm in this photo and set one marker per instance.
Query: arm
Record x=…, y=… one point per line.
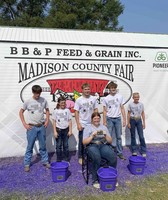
x=54, y=129
x=88, y=140
x=143, y=119
x=123, y=115
x=47, y=118
x=70, y=128
x=104, y=116
x=21, y=115
x=128, y=119
x=79, y=127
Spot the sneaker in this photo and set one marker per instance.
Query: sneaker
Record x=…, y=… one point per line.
x=121, y=157
x=117, y=184
x=134, y=153
x=96, y=184
x=26, y=168
x=80, y=161
x=47, y=165
x=144, y=155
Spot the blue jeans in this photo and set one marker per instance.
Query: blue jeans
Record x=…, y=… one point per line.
x=96, y=153
x=62, y=140
x=80, y=144
x=33, y=134
x=115, y=123
x=137, y=124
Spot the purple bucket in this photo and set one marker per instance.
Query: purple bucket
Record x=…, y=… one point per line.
x=59, y=171
x=107, y=178
x=137, y=164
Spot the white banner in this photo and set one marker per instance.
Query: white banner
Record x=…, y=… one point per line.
x=62, y=63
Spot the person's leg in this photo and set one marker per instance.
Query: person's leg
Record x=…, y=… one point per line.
x=31, y=138
x=65, y=144
x=110, y=125
x=94, y=155
x=133, y=136
x=41, y=135
x=59, y=145
x=118, y=131
x=108, y=153
x=141, y=137
x=80, y=144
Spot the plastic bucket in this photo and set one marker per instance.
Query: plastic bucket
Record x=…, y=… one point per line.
x=137, y=164
x=59, y=171
x=107, y=178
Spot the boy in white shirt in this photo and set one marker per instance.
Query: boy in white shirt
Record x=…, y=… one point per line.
x=85, y=105
x=113, y=108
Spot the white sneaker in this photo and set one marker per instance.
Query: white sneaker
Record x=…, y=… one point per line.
x=134, y=153
x=144, y=155
x=80, y=161
x=96, y=185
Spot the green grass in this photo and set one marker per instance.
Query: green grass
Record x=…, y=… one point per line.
x=150, y=188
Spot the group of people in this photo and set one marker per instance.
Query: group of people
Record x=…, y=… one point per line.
x=96, y=136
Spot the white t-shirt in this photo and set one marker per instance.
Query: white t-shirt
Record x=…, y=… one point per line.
x=62, y=117
x=113, y=104
x=86, y=107
x=136, y=109
x=35, y=110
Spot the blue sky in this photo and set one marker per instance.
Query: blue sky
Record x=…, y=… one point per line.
x=145, y=16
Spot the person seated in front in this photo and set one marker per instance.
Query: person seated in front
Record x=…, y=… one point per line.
x=97, y=139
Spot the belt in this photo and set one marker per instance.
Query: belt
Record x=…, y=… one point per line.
x=37, y=125
x=136, y=118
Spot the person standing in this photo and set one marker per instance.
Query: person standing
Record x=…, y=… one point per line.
x=84, y=106
x=62, y=126
x=35, y=125
x=113, y=108
x=136, y=120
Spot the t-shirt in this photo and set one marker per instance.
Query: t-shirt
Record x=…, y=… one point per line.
x=62, y=117
x=35, y=108
x=113, y=104
x=136, y=109
x=86, y=107
x=89, y=129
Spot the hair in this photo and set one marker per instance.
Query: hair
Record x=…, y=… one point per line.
x=135, y=93
x=112, y=84
x=85, y=85
x=61, y=98
x=95, y=114
x=36, y=89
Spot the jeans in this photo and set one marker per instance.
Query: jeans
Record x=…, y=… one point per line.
x=137, y=124
x=96, y=153
x=115, y=123
x=62, y=140
x=33, y=134
x=80, y=144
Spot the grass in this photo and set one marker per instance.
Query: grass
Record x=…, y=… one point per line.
x=150, y=188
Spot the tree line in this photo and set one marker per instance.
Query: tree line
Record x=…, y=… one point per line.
x=67, y=14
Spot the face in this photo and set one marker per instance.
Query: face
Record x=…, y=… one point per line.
x=136, y=98
x=96, y=120
x=112, y=90
x=62, y=104
x=86, y=91
x=36, y=95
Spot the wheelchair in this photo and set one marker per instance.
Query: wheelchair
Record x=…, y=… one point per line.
x=87, y=162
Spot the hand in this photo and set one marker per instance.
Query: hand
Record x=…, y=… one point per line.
x=46, y=124
x=55, y=134
x=69, y=133
x=104, y=133
x=79, y=127
x=129, y=125
x=27, y=126
x=94, y=133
